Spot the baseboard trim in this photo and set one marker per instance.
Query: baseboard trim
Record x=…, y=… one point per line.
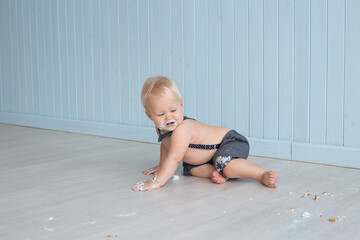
x=306, y=152
x=134, y=133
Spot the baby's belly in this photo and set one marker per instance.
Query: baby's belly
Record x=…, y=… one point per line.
x=198, y=156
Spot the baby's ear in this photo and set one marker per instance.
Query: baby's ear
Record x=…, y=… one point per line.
x=148, y=114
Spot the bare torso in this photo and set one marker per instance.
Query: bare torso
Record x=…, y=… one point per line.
x=201, y=133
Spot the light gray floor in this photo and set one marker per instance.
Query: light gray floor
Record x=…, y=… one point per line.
x=57, y=185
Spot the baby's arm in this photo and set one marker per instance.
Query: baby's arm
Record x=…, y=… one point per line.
x=180, y=140
x=154, y=170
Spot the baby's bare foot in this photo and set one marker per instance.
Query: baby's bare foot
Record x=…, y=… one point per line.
x=269, y=178
x=217, y=178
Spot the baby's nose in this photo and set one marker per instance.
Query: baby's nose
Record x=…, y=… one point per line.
x=168, y=117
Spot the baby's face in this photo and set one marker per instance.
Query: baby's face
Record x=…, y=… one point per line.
x=165, y=112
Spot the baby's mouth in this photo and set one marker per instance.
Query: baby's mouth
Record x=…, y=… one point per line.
x=170, y=124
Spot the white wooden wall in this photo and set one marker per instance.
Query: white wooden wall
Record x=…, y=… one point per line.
x=285, y=73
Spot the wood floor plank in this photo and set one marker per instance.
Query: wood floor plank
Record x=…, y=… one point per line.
x=58, y=185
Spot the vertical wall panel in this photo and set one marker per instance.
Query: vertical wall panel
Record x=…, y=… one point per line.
x=241, y=59
x=57, y=63
x=335, y=83
x=202, y=58
x=227, y=64
x=21, y=58
x=40, y=46
x=134, y=64
x=34, y=58
x=49, y=49
x=63, y=58
x=155, y=39
x=177, y=40
x=302, y=64
x=271, y=130
x=189, y=58
x=97, y=59
x=166, y=37
x=144, y=50
x=10, y=46
x=15, y=56
x=105, y=60
x=4, y=53
x=256, y=66
x=352, y=73
x=282, y=72
x=28, y=79
x=71, y=59
x=286, y=69
x=124, y=62
x=79, y=59
x=1, y=86
x=318, y=69
x=3, y=17
x=114, y=67
x=89, y=59
x=214, y=105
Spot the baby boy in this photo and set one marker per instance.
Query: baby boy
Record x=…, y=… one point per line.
x=206, y=151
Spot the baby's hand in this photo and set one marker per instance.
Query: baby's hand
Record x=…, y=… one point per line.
x=151, y=170
x=147, y=185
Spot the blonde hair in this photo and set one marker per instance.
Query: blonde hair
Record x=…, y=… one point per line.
x=159, y=86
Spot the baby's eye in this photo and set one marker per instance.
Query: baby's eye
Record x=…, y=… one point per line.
x=160, y=115
x=173, y=110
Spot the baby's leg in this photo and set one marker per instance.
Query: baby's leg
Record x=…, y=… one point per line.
x=208, y=171
x=242, y=168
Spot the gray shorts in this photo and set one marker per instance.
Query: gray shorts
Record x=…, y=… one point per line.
x=233, y=145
